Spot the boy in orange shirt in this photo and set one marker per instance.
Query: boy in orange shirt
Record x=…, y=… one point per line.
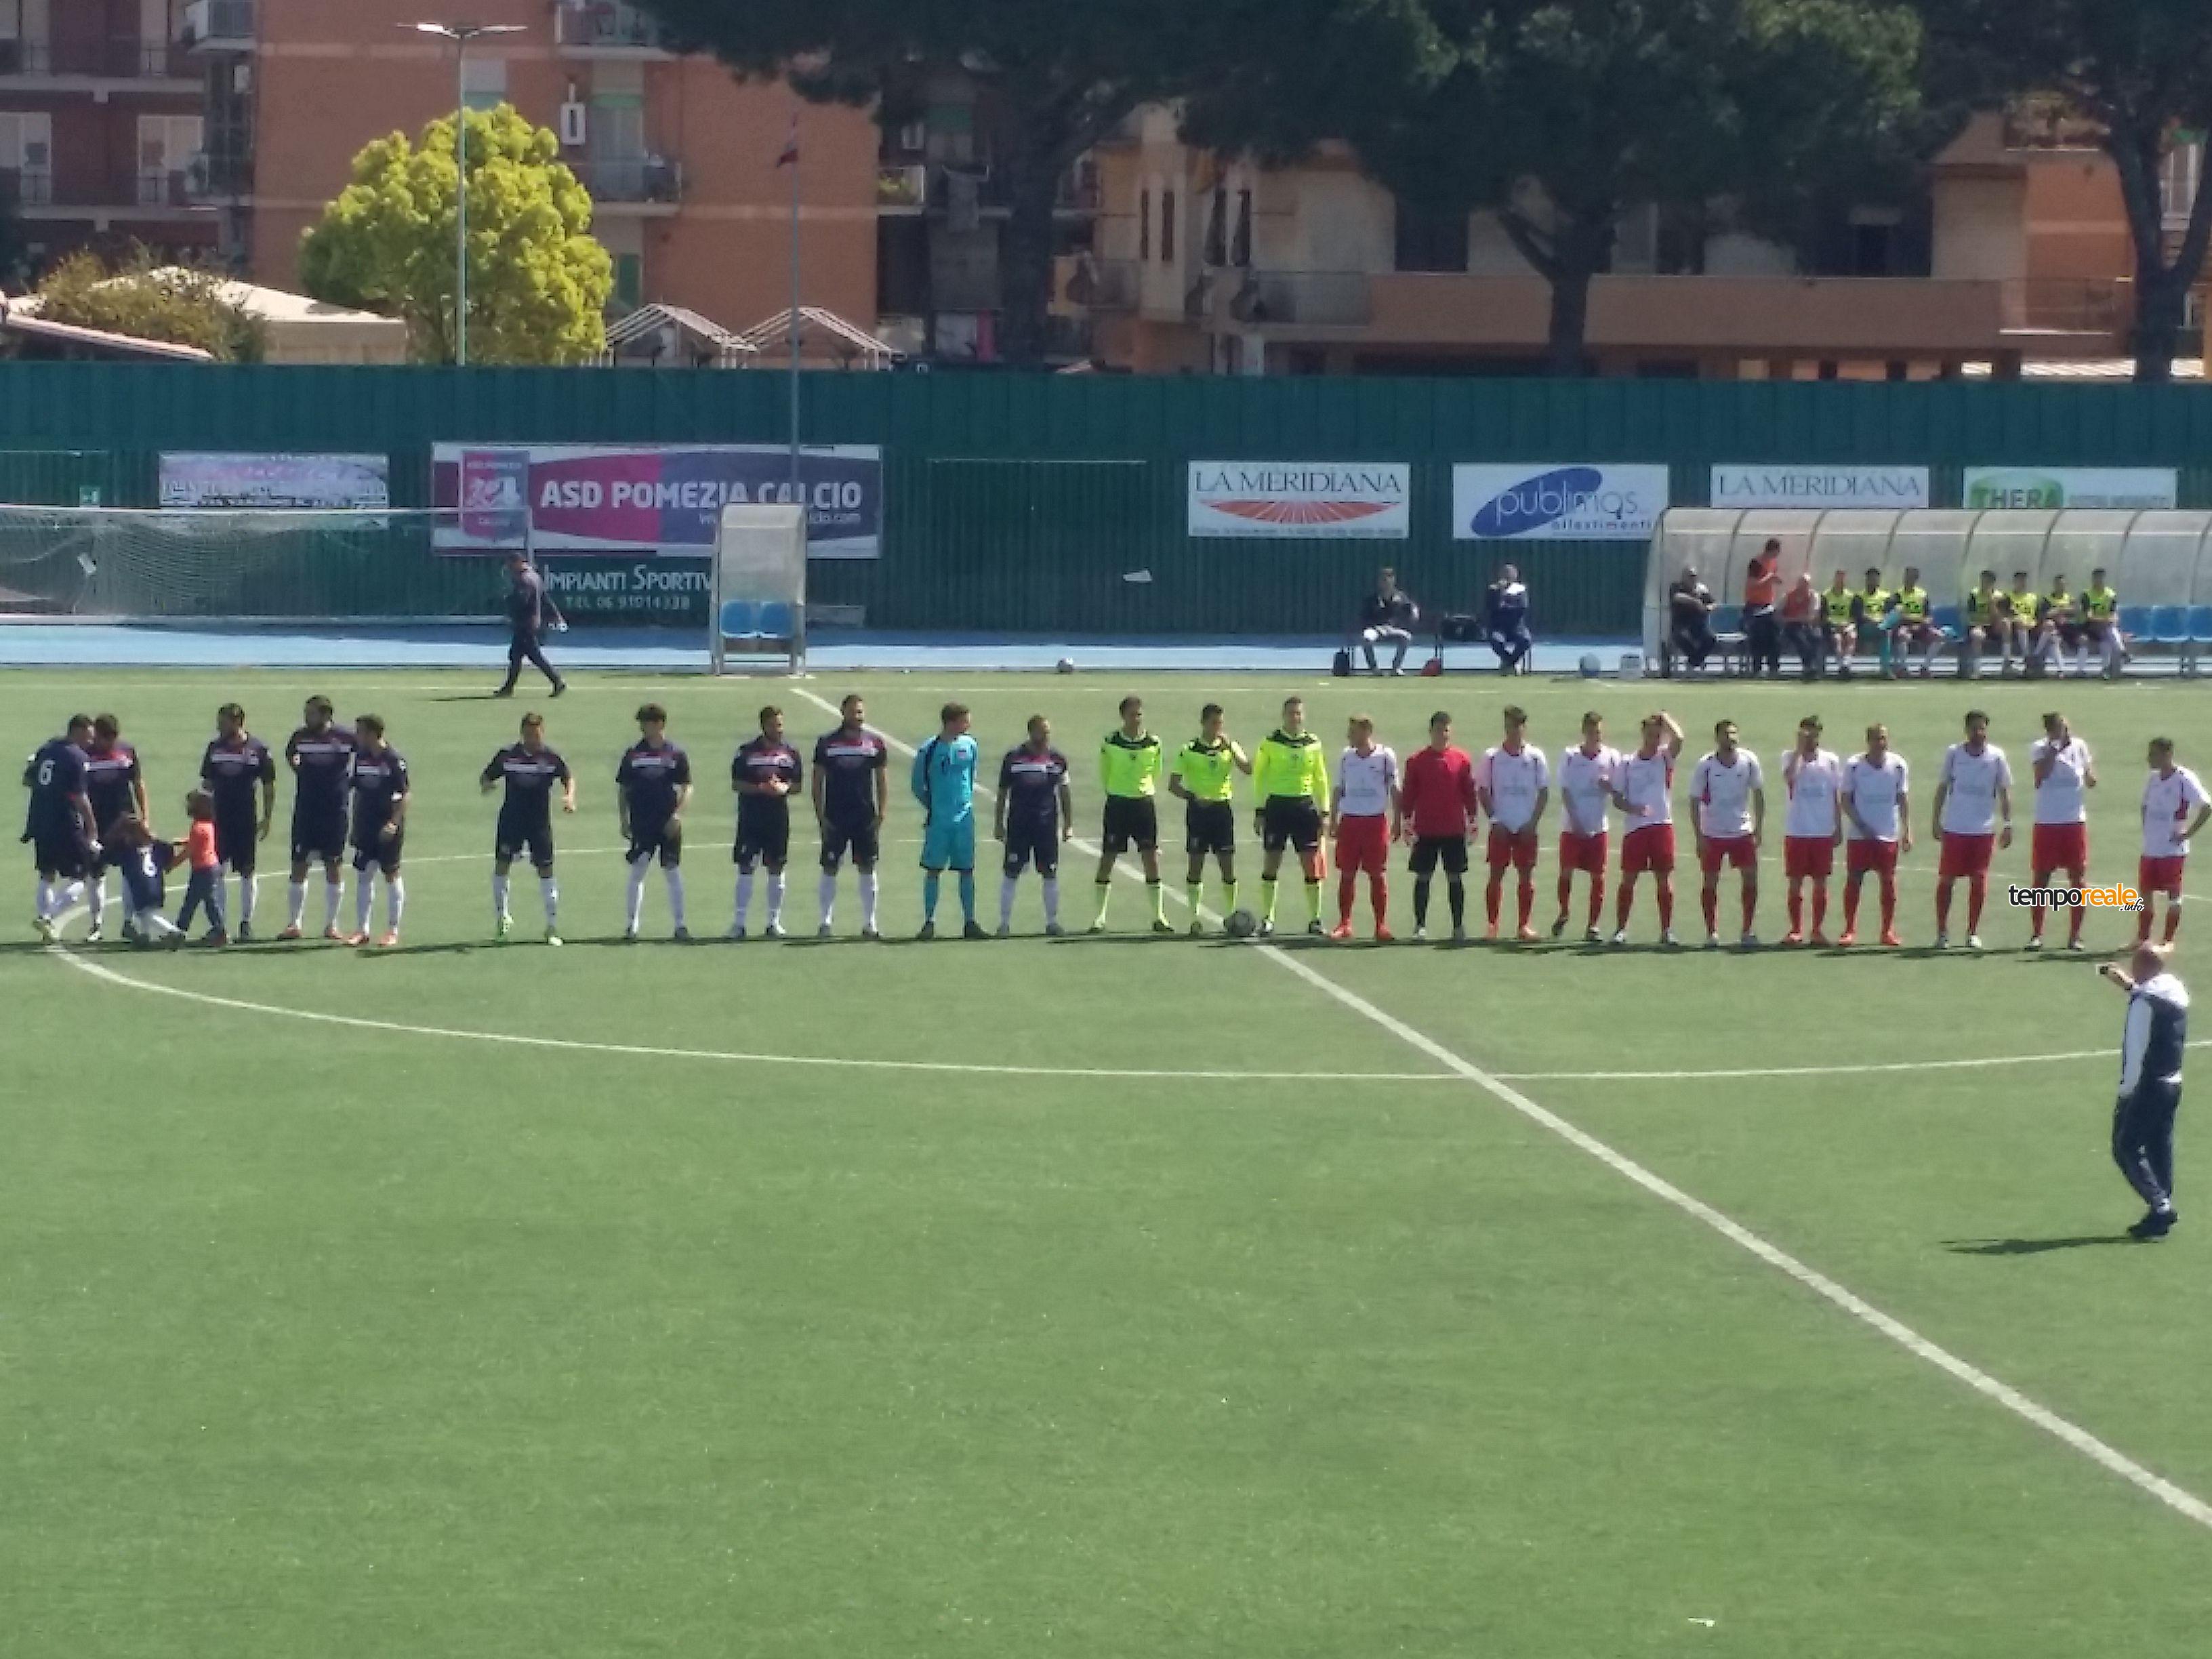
x=205, y=887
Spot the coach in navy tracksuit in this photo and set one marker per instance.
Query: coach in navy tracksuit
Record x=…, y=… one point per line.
x=2156, y=1038
x=527, y=603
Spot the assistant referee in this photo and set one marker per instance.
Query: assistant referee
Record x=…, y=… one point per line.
x=2155, y=1038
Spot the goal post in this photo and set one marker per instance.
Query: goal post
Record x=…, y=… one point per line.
x=758, y=613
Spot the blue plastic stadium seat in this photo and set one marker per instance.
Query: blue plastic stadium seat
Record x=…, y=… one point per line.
x=1728, y=619
x=775, y=620
x=738, y=620
x=2135, y=621
x=2200, y=624
x=1950, y=619
x=2169, y=624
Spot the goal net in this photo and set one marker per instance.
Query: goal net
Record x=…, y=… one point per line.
x=759, y=609
x=244, y=563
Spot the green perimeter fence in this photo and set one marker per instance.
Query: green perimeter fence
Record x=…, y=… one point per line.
x=1022, y=504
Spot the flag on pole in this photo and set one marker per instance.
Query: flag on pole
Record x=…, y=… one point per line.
x=789, y=158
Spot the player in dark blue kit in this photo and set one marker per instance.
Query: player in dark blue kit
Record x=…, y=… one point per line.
x=235, y=768
x=653, y=787
x=766, y=774
x=59, y=827
x=380, y=788
x=852, y=791
x=115, y=789
x=529, y=770
x=1035, y=814
x=321, y=754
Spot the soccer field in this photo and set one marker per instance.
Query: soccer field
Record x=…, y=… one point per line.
x=1089, y=1297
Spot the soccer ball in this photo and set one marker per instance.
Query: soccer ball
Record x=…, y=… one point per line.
x=1065, y=665
x=1240, y=923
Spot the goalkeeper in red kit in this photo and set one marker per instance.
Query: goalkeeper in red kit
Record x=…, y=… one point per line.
x=1438, y=800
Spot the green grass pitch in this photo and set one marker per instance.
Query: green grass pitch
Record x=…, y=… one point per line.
x=383, y=1337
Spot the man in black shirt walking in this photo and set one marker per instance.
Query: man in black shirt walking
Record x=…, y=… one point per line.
x=527, y=603
x=2151, y=1048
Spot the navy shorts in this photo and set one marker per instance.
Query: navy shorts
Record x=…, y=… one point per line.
x=318, y=837
x=524, y=837
x=1209, y=826
x=663, y=841
x=762, y=841
x=1034, y=843
x=238, y=842
x=1290, y=821
x=838, y=840
x=373, y=852
x=61, y=853
x=1131, y=821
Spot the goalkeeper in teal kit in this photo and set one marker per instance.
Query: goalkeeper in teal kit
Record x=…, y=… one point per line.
x=944, y=781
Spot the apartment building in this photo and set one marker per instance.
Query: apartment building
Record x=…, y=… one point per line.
x=100, y=119
x=2016, y=251
x=679, y=157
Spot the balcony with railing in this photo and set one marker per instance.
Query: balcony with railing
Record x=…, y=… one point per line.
x=119, y=57
x=217, y=25
x=606, y=28
x=27, y=187
x=637, y=185
x=216, y=176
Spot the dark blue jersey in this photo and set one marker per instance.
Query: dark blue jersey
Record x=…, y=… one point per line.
x=233, y=772
x=56, y=774
x=109, y=773
x=530, y=780
x=142, y=868
x=759, y=762
x=850, y=762
x=1030, y=784
x=322, y=762
x=379, y=784
x=651, y=779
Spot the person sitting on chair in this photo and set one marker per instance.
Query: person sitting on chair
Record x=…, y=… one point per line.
x=1388, y=613
x=1506, y=610
x=1801, y=625
x=1690, y=619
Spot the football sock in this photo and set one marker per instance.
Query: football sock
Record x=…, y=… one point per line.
x=1157, y=891
x=1347, y=888
x=1796, y=910
x=828, y=891
x=1455, y=890
x=395, y=903
x=1378, y=897
x=775, y=899
x=364, y=901
x=1710, y=902
x=1493, y=890
x=1267, y=885
x=95, y=900
x=1750, y=906
x=1666, y=897
x=2173, y=917
x=675, y=878
x=1194, y=891
x=1850, y=907
x=249, y=889
x=334, y=900
x=929, y=885
x=868, y=894
x=1228, y=896
x=1051, y=900
x=1597, y=899
x=1527, y=898
x=45, y=900
x=2073, y=928
x=1007, y=885
x=1888, y=902
x=744, y=899
x=549, y=891
x=1627, y=901
x=1420, y=900
x=1105, y=892
x=968, y=895
x=1978, y=888
x=1313, y=898
x=1943, y=906
x=1566, y=890
x=1819, y=908
x=297, y=898
x=2143, y=926
x=634, y=900
x=499, y=890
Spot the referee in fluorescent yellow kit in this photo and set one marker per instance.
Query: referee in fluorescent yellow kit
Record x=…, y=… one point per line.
x=1129, y=764
x=1290, y=778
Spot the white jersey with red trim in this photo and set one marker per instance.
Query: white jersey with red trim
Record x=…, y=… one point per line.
x=1816, y=789
x=1876, y=793
x=1513, y=782
x=1722, y=791
x=2063, y=795
x=2168, y=803
x=1586, y=788
x=1365, y=783
x=1973, y=782
x=1647, y=784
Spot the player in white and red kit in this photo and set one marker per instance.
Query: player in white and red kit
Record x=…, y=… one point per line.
x=1586, y=779
x=2175, y=808
x=1728, y=796
x=1878, y=813
x=1363, y=820
x=1812, y=827
x=1643, y=789
x=1974, y=790
x=2064, y=773
x=1514, y=784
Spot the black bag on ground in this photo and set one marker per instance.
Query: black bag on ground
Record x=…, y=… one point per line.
x=1340, y=664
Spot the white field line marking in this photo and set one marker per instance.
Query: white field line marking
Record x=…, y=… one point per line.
x=2059, y=1428
x=526, y=1040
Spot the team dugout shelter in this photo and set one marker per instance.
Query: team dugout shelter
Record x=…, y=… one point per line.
x=2159, y=562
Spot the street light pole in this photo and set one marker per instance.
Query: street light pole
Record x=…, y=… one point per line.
x=461, y=34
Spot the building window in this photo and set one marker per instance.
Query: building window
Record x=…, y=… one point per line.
x=1144, y=225
x=1429, y=241
x=2178, y=179
x=629, y=281
x=483, y=83
x=1167, y=227
x=1240, y=245
x=27, y=154
x=1217, y=227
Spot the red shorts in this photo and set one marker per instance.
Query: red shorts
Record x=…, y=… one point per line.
x=1650, y=848
x=1738, y=850
x=2059, y=847
x=1807, y=856
x=1583, y=853
x=1363, y=843
x=1964, y=855
x=1504, y=848
x=1879, y=856
x=2160, y=875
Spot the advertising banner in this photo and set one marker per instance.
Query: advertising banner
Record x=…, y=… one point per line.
x=1590, y=502
x=2117, y=489
x=651, y=500
x=1360, y=499
x=311, y=481
x=1820, y=486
